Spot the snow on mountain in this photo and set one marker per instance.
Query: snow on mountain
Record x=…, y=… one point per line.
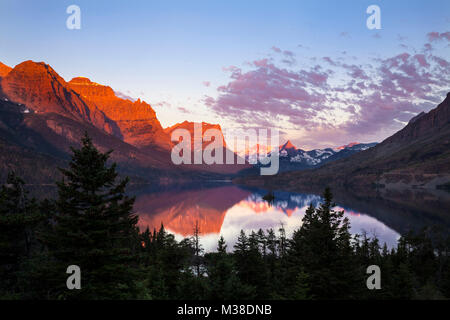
x=293, y=158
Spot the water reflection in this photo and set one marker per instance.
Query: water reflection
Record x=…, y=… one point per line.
x=227, y=209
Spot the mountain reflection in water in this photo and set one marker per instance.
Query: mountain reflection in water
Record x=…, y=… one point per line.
x=226, y=209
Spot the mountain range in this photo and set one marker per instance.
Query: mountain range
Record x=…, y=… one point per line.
x=417, y=156
x=293, y=158
x=42, y=116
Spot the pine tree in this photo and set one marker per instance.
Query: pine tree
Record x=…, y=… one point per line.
x=223, y=283
x=301, y=287
x=94, y=228
x=275, y=274
x=296, y=255
x=198, y=250
x=322, y=247
x=18, y=218
x=221, y=246
x=241, y=250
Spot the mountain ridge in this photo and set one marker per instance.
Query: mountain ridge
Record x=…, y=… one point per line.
x=4, y=69
x=136, y=120
x=42, y=114
x=416, y=156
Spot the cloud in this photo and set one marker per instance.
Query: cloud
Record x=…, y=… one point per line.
x=427, y=47
x=124, y=96
x=330, y=61
x=335, y=99
x=276, y=49
x=206, y=83
x=436, y=36
x=376, y=36
x=356, y=72
x=267, y=92
x=183, y=110
x=288, y=57
x=162, y=104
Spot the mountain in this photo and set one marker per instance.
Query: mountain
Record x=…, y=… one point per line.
x=4, y=70
x=293, y=159
x=350, y=145
x=347, y=151
x=136, y=120
x=301, y=159
x=189, y=126
x=416, y=156
x=42, y=90
x=42, y=116
x=220, y=168
x=35, y=144
x=287, y=146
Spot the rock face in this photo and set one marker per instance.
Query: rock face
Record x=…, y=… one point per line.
x=288, y=145
x=37, y=86
x=35, y=144
x=189, y=126
x=137, y=121
x=43, y=115
x=238, y=162
x=4, y=70
x=425, y=124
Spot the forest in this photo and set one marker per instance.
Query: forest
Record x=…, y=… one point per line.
x=91, y=224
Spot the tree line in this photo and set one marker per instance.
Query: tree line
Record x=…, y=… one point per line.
x=91, y=224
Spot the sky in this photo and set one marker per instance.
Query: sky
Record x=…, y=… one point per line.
x=311, y=69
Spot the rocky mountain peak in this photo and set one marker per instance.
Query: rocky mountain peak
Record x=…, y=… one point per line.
x=4, y=69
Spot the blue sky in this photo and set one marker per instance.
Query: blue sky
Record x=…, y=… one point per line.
x=165, y=51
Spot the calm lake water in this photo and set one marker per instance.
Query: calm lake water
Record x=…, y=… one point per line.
x=226, y=209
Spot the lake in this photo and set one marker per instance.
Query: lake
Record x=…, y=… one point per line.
x=224, y=209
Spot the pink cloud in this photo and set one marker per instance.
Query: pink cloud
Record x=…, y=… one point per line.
x=276, y=49
x=436, y=36
x=288, y=56
x=183, y=110
x=379, y=95
x=421, y=59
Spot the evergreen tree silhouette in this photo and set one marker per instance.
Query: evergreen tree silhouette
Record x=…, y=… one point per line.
x=93, y=228
x=18, y=216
